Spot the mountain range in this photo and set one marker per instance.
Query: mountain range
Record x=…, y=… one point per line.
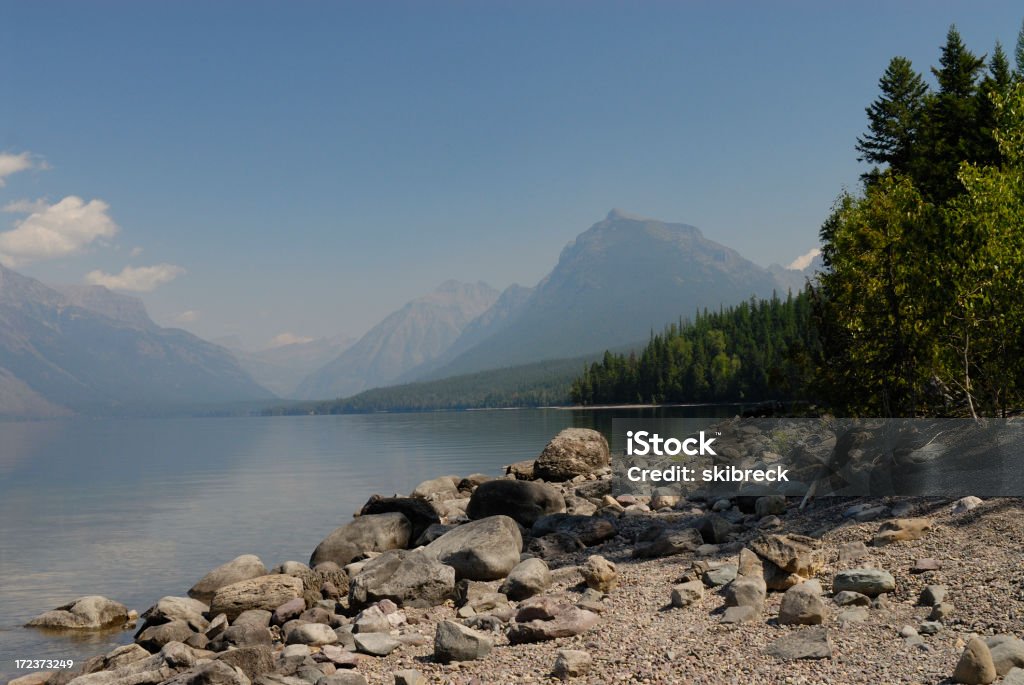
x=89, y=350
x=85, y=349
x=617, y=281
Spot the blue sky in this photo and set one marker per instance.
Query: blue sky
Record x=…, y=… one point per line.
x=303, y=168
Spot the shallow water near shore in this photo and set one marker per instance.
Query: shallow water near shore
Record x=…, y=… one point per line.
x=139, y=509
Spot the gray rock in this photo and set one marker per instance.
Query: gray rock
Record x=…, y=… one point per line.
x=847, y=598
x=372, y=533
x=554, y=545
x=746, y=591
x=547, y=618
x=437, y=489
x=528, y=578
x=714, y=529
x=740, y=614
x=809, y=643
x=291, y=609
x=571, y=663
x=524, y=501
x=454, y=642
x=932, y=595
x=169, y=609
x=420, y=514
x=244, y=567
x=376, y=644
x=975, y=666
x=719, y=575
x=573, y=452
x=480, y=550
x=254, y=661
x=408, y=578
x=669, y=543
x=590, y=530
x=254, y=617
x=802, y=605
x=929, y=628
x=265, y=592
x=1007, y=652
x=247, y=635
x=311, y=634
x=1015, y=676
x=966, y=504
x=941, y=611
x=214, y=672
x=867, y=581
x=92, y=612
x=155, y=637
x=685, y=594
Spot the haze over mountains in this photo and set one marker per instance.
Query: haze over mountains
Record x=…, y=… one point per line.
x=617, y=281
x=88, y=350
x=85, y=349
x=415, y=334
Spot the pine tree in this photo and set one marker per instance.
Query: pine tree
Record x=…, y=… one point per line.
x=894, y=118
x=1019, y=53
x=997, y=82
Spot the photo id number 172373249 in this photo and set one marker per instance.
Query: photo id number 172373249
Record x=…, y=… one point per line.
x=43, y=664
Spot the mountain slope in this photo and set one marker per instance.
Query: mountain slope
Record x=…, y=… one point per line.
x=617, y=281
x=417, y=333
x=281, y=369
x=55, y=353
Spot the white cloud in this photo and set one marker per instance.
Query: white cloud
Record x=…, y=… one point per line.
x=283, y=339
x=140, y=279
x=804, y=260
x=187, y=316
x=57, y=230
x=12, y=164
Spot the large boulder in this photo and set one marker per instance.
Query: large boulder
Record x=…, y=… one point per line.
x=437, y=489
x=529, y=577
x=85, y=613
x=420, y=514
x=169, y=609
x=547, y=618
x=802, y=605
x=407, y=578
x=240, y=568
x=480, y=550
x=455, y=642
x=521, y=500
x=797, y=554
x=266, y=593
x=573, y=452
x=372, y=533
x=591, y=530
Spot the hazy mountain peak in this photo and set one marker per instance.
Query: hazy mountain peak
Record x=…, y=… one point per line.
x=113, y=305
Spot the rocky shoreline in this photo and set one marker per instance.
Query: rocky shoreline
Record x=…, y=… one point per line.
x=543, y=576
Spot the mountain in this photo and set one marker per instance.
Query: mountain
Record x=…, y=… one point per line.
x=92, y=351
x=790, y=279
x=282, y=368
x=617, y=281
x=415, y=334
x=503, y=312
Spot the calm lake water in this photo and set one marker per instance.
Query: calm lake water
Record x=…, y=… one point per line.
x=139, y=509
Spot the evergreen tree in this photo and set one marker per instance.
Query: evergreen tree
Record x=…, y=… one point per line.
x=1019, y=52
x=894, y=118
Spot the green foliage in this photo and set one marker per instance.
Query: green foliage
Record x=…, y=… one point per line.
x=758, y=350
x=919, y=308
x=894, y=119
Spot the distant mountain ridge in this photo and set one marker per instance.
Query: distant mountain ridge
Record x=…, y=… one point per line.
x=414, y=335
x=89, y=350
x=618, y=280
x=282, y=368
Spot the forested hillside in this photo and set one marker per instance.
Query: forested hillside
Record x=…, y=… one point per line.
x=761, y=349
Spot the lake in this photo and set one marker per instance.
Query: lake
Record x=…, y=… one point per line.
x=138, y=509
